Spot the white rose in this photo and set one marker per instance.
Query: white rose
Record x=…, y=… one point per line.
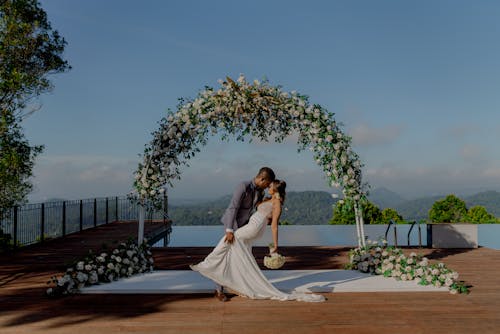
x=448, y=282
x=94, y=279
x=80, y=265
x=81, y=277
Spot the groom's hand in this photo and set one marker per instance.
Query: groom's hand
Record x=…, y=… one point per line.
x=229, y=237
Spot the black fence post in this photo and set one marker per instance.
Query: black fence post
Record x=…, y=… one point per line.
x=42, y=227
x=95, y=212
x=15, y=226
x=165, y=207
x=64, y=219
x=395, y=237
x=107, y=208
x=81, y=215
x=116, y=209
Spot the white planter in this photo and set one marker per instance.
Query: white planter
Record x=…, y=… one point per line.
x=452, y=235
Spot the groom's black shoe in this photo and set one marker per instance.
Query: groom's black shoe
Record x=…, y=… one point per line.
x=220, y=296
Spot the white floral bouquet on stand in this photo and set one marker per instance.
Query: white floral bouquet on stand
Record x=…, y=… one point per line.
x=274, y=260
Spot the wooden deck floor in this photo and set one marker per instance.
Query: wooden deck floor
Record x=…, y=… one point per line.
x=25, y=309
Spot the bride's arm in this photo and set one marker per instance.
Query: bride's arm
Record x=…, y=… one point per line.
x=275, y=221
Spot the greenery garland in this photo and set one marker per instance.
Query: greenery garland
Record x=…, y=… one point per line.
x=239, y=108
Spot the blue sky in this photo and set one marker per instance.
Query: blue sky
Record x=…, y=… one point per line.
x=415, y=84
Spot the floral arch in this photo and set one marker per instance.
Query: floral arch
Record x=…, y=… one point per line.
x=240, y=108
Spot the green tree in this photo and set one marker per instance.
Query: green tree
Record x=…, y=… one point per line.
x=478, y=215
x=389, y=214
x=448, y=210
x=30, y=51
x=343, y=213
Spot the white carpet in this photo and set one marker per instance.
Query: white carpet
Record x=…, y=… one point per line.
x=186, y=281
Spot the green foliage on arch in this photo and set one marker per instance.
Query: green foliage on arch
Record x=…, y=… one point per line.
x=242, y=109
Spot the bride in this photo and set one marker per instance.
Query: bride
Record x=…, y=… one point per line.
x=233, y=266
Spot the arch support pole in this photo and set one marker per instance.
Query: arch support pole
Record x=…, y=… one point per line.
x=140, y=232
x=359, y=224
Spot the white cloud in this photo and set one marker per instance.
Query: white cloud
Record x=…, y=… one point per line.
x=462, y=131
x=204, y=180
x=471, y=153
x=81, y=176
x=213, y=175
x=493, y=172
x=366, y=135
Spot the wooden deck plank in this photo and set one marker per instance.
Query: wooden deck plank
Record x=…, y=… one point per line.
x=25, y=309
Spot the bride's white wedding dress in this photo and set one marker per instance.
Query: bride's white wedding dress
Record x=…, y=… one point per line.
x=234, y=267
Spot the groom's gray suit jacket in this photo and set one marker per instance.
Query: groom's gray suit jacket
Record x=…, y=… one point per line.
x=245, y=197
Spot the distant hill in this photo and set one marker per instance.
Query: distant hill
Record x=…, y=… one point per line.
x=384, y=198
x=416, y=209
x=308, y=208
x=489, y=199
x=316, y=207
x=301, y=208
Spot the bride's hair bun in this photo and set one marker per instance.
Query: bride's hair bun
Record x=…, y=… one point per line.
x=280, y=186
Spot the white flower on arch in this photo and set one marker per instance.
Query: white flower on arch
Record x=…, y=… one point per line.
x=243, y=109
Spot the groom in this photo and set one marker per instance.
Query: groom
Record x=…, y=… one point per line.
x=245, y=198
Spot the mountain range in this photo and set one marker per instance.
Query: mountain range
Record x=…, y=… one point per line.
x=316, y=207
x=416, y=209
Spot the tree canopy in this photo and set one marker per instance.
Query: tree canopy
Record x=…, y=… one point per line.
x=448, y=210
x=343, y=213
x=30, y=51
x=479, y=215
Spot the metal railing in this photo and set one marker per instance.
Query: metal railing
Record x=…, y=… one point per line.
x=33, y=223
x=394, y=225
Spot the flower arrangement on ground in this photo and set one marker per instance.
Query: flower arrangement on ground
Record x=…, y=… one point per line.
x=379, y=259
x=124, y=261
